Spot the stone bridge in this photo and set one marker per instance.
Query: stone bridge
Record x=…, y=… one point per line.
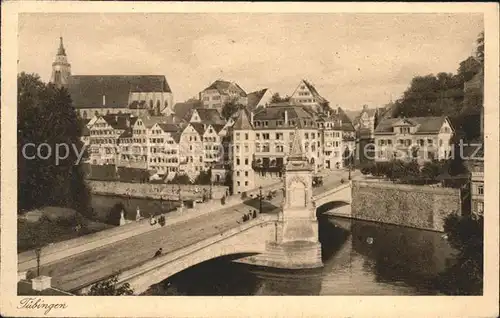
x=269, y=239
x=247, y=239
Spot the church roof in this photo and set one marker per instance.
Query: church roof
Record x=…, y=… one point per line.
x=87, y=91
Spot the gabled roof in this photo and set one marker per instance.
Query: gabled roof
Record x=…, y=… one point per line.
x=150, y=121
x=199, y=127
x=314, y=92
x=254, y=98
x=297, y=113
x=242, y=122
x=182, y=110
x=87, y=91
x=221, y=86
x=169, y=127
x=118, y=121
x=426, y=125
x=209, y=115
x=346, y=121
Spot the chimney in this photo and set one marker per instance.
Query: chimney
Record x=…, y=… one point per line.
x=103, y=100
x=251, y=118
x=286, y=117
x=41, y=283
x=328, y=113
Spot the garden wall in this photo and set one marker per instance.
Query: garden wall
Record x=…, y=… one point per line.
x=423, y=207
x=155, y=191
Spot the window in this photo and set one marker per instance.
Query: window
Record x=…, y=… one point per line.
x=238, y=183
x=237, y=136
x=237, y=173
x=480, y=189
x=246, y=148
x=306, y=136
x=246, y=136
x=265, y=148
x=237, y=161
x=246, y=161
x=246, y=173
x=440, y=142
x=429, y=141
x=480, y=207
x=257, y=136
x=246, y=183
x=265, y=136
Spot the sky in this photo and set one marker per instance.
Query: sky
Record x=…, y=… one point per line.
x=352, y=59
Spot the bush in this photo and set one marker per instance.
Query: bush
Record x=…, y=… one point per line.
x=244, y=195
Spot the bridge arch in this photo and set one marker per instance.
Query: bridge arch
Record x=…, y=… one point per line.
x=251, y=241
x=331, y=205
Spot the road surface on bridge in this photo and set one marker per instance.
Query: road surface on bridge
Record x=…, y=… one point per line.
x=86, y=268
x=332, y=180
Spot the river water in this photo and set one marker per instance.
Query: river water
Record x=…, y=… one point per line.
x=360, y=258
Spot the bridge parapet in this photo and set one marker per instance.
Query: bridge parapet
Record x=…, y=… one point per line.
x=248, y=238
x=342, y=192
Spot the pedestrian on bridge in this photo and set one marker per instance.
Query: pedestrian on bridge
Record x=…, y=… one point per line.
x=158, y=252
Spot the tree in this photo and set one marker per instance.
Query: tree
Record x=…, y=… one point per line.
x=204, y=178
x=182, y=179
x=465, y=233
x=276, y=98
x=230, y=108
x=47, y=120
x=480, y=47
x=109, y=287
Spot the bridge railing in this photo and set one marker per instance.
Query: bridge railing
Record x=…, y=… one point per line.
x=128, y=274
x=60, y=250
x=332, y=190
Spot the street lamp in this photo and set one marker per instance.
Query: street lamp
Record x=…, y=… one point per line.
x=260, y=199
x=38, y=253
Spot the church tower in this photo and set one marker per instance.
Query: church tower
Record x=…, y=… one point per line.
x=61, y=69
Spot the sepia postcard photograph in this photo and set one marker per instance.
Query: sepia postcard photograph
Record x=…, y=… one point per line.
x=164, y=153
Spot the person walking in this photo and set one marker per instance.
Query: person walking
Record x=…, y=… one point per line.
x=158, y=252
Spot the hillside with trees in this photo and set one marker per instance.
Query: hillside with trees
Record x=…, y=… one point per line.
x=444, y=94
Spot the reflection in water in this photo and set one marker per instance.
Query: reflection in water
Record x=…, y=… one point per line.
x=360, y=258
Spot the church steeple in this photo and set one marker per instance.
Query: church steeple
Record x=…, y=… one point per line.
x=61, y=69
x=61, y=50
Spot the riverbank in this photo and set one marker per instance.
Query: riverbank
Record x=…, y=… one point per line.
x=51, y=225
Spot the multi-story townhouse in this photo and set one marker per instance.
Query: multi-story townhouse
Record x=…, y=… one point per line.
x=330, y=128
x=191, y=152
x=104, y=134
x=212, y=145
x=423, y=138
x=243, y=148
x=132, y=145
x=274, y=131
x=164, y=148
x=221, y=92
x=477, y=188
x=307, y=95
